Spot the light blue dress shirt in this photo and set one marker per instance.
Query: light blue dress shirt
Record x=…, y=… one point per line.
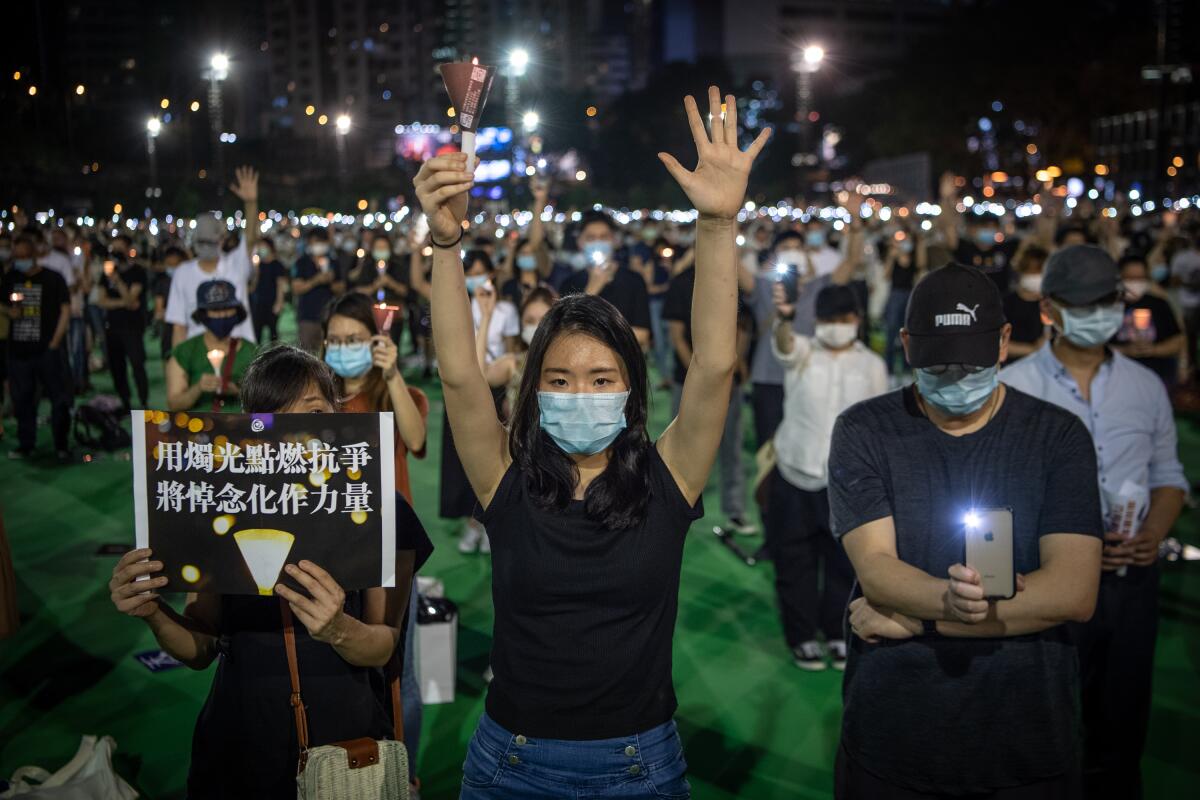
x=1129, y=416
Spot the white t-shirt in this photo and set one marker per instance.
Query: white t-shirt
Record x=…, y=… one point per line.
x=505, y=322
x=825, y=260
x=70, y=267
x=234, y=267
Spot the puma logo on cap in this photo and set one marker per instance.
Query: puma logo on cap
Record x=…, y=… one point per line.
x=962, y=315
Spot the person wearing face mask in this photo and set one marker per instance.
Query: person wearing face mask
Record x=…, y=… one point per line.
x=587, y=516
x=267, y=291
x=824, y=374
x=122, y=297
x=62, y=259
x=160, y=290
x=1151, y=333
x=211, y=263
x=506, y=372
x=984, y=246
x=603, y=271
x=969, y=695
x=316, y=279
x=532, y=263
x=382, y=277
x=244, y=742
x=37, y=303
x=1127, y=410
x=1023, y=305
x=789, y=262
x=204, y=372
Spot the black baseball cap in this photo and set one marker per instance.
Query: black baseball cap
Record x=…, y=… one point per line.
x=217, y=295
x=1080, y=275
x=954, y=316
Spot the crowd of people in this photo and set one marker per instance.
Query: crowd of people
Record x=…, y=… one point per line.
x=902, y=368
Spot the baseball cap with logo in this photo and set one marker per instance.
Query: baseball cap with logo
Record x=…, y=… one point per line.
x=1081, y=275
x=217, y=295
x=954, y=316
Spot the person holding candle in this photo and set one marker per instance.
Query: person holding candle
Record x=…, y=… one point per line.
x=316, y=280
x=200, y=373
x=267, y=290
x=383, y=278
x=122, y=297
x=1150, y=334
x=587, y=516
x=244, y=743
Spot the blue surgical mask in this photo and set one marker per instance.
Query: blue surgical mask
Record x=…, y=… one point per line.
x=597, y=254
x=474, y=282
x=349, y=360
x=985, y=236
x=22, y=264
x=958, y=393
x=1092, y=326
x=815, y=238
x=584, y=423
x=526, y=263
x=1159, y=273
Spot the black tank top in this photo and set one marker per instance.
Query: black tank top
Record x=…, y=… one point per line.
x=584, y=614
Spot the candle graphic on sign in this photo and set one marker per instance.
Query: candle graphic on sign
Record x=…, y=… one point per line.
x=264, y=551
x=468, y=84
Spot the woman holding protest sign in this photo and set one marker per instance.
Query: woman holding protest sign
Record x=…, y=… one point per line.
x=587, y=515
x=245, y=741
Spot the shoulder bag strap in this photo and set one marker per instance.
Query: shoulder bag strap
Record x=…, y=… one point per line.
x=226, y=372
x=289, y=643
x=396, y=670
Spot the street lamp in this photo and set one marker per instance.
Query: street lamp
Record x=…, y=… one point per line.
x=530, y=120
x=153, y=129
x=808, y=62
x=218, y=71
x=518, y=64
x=342, y=129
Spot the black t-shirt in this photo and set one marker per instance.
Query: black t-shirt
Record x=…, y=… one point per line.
x=584, y=614
x=1026, y=318
x=43, y=295
x=678, y=308
x=626, y=291
x=514, y=291
x=954, y=715
x=1160, y=326
x=365, y=271
x=995, y=262
x=903, y=272
x=125, y=319
x=266, y=291
x=311, y=304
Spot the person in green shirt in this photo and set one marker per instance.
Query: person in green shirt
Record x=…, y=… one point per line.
x=198, y=377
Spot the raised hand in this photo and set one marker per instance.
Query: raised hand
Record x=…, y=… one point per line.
x=246, y=185
x=442, y=186
x=717, y=186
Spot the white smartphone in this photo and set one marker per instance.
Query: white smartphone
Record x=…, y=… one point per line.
x=988, y=549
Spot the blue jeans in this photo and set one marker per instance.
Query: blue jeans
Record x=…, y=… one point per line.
x=504, y=766
x=77, y=352
x=660, y=334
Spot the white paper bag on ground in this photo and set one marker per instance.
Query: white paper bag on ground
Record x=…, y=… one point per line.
x=87, y=776
x=437, y=653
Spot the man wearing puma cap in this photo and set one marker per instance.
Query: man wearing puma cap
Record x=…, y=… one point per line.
x=945, y=708
x=210, y=263
x=1125, y=407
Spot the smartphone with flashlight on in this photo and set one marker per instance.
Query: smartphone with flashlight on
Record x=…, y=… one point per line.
x=988, y=549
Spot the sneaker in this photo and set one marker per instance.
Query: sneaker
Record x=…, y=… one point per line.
x=472, y=537
x=809, y=656
x=742, y=526
x=837, y=653
x=18, y=454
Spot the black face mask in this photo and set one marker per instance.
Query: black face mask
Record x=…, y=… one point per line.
x=221, y=327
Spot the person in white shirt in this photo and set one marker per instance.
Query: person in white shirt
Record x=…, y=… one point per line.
x=823, y=376
x=62, y=260
x=210, y=263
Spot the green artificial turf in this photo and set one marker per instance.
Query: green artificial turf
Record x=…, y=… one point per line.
x=753, y=725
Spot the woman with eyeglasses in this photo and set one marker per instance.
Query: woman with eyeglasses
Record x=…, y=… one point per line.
x=587, y=516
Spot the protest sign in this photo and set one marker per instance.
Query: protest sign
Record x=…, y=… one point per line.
x=225, y=500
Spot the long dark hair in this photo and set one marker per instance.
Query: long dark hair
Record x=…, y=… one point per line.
x=617, y=498
x=357, y=307
x=280, y=374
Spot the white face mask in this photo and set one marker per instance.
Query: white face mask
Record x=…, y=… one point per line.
x=1136, y=288
x=836, y=335
x=527, y=332
x=1032, y=283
